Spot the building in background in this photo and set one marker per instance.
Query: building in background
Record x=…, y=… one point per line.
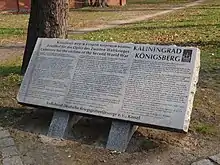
x=15, y=5
x=24, y=5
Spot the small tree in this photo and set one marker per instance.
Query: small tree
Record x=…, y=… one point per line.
x=48, y=18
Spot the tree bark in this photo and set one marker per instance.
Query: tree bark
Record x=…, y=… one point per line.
x=99, y=3
x=48, y=19
x=18, y=6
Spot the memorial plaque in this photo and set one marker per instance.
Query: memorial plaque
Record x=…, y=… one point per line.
x=148, y=84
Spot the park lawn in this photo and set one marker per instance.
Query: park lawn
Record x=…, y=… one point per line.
x=153, y=3
x=82, y=18
x=198, y=26
x=86, y=18
x=13, y=27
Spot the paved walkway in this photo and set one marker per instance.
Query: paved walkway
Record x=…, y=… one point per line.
x=212, y=160
x=8, y=149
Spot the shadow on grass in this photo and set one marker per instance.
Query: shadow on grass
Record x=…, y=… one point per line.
x=9, y=116
x=209, y=78
x=190, y=43
x=159, y=1
x=89, y=130
x=106, y=10
x=96, y=9
x=167, y=27
x=7, y=70
x=143, y=27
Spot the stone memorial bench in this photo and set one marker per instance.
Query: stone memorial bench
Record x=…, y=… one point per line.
x=132, y=84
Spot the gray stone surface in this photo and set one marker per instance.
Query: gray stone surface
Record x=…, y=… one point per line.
x=1, y=128
x=59, y=124
x=9, y=151
x=215, y=158
x=6, y=142
x=15, y=160
x=4, y=134
x=127, y=102
x=203, y=162
x=120, y=135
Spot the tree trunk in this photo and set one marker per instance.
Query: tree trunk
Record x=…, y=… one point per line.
x=48, y=19
x=99, y=3
x=18, y=6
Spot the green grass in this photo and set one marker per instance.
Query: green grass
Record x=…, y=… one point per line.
x=14, y=21
x=10, y=66
x=13, y=27
x=158, y=1
x=12, y=31
x=10, y=80
x=205, y=128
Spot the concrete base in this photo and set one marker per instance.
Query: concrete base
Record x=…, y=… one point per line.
x=120, y=135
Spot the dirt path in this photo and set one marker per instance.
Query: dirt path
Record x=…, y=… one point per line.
x=116, y=23
x=9, y=52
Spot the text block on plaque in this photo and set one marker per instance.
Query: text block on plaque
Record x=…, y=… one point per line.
x=148, y=84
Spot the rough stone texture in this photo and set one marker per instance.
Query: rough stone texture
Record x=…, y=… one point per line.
x=1, y=128
x=120, y=135
x=9, y=151
x=4, y=134
x=59, y=124
x=203, y=162
x=74, y=119
x=15, y=160
x=215, y=158
x=6, y=142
